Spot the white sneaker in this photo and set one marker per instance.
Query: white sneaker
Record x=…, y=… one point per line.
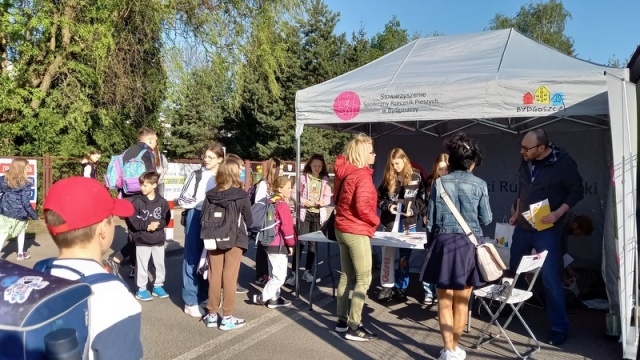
x=307, y=276
x=291, y=279
x=448, y=355
x=194, y=310
x=460, y=353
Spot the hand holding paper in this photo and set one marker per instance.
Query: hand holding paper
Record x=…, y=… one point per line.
x=538, y=211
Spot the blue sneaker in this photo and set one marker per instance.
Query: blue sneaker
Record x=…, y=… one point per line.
x=211, y=320
x=159, y=292
x=143, y=295
x=230, y=323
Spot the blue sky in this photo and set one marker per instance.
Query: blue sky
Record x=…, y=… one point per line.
x=600, y=29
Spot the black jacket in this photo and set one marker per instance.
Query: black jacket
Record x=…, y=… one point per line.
x=146, y=212
x=147, y=158
x=414, y=192
x=556, y=179
x=244, y=212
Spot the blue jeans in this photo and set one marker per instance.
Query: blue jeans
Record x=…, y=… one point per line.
x=194, y=288
x=429, y=290
x=549, y=240
x=402, y=274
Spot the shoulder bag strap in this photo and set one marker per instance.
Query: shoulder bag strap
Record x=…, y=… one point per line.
x=456, y=213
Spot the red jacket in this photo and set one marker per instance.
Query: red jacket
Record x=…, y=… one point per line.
x=285, y=233
x=356, y=211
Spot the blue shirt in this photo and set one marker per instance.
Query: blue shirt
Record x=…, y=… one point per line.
x=470, y=196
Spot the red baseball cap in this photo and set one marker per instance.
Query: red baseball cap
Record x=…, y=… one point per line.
x=82, y=202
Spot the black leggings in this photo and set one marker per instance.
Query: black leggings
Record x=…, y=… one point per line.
x=262, y=262
x=310, y=224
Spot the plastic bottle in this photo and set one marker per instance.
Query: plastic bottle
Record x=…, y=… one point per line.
x=62, y=344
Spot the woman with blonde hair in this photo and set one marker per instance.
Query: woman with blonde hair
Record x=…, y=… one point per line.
x=400, y=200
x=15, y=208
x=356, y=221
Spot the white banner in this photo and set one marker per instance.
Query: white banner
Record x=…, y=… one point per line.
x=623, y=115
x=32, y=175
x=175, y=178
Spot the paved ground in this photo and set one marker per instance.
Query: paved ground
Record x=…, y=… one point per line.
x=407, y=331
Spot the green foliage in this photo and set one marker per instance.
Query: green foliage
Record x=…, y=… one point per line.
x=544, y=22
x=391, y=38
x=78, y=74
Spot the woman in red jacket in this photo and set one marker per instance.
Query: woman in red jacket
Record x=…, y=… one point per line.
x=356, y=221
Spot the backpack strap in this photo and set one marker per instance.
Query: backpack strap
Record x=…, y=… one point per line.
x=48, y=264
x=141, y=154
x=198, y=176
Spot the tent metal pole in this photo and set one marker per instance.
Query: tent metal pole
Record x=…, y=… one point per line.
x=299, y=129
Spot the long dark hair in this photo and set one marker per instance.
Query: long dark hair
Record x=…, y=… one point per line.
x=307, y=168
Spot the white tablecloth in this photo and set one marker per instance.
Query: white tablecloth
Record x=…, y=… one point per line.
x=380, y=238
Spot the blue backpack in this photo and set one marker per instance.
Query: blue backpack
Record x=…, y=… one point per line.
x=263, y=227
x=38, y=303
x=125, y=175
x=113, y=177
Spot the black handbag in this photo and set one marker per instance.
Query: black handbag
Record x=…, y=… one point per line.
x=329, y=226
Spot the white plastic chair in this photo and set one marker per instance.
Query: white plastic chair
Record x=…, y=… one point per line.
x=507, y=294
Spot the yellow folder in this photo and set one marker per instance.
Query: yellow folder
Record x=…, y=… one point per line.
x=538, y=211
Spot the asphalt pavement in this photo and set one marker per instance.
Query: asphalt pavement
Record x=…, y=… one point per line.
x=406, y=330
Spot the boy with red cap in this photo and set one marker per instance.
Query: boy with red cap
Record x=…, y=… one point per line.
x=79, y=213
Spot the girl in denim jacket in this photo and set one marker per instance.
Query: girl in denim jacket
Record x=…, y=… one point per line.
x=450, y=260
x=15, y=208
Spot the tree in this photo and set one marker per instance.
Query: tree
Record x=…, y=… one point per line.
x=544, y=22
x=391, y=38
x=197, y=113
x=72, y=69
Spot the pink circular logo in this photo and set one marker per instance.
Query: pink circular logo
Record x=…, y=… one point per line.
x=347, y=105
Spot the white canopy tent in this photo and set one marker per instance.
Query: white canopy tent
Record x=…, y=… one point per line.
x=497, y=85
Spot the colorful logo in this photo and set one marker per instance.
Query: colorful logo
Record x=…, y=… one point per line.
x=542, y=95
x=541, y=100
x=347, y=105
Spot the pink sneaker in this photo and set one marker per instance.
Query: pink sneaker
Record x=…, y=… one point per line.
x=24, y=255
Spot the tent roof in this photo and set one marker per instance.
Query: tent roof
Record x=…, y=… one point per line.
x=499, y=79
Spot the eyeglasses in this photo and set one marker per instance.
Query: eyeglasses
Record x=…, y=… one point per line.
x=529, y=148
x=372, y=153
x=208, y=158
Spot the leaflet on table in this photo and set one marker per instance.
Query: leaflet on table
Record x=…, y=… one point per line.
x=415, y=238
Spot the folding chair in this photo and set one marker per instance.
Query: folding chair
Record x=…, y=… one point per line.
x=507, y=294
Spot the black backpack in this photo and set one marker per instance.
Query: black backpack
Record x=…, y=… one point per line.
x=220, y=222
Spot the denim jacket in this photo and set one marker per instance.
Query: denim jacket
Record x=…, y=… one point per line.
x=470, y=196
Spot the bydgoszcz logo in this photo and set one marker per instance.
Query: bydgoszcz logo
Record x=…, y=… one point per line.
x=542, y=100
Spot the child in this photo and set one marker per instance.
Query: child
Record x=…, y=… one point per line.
x=15, y=209
x=90, y=164
x=224, y=265
x=315, y=196
x=280, y=248
x=146, y=227
x=263, y=189
x=79, y=214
